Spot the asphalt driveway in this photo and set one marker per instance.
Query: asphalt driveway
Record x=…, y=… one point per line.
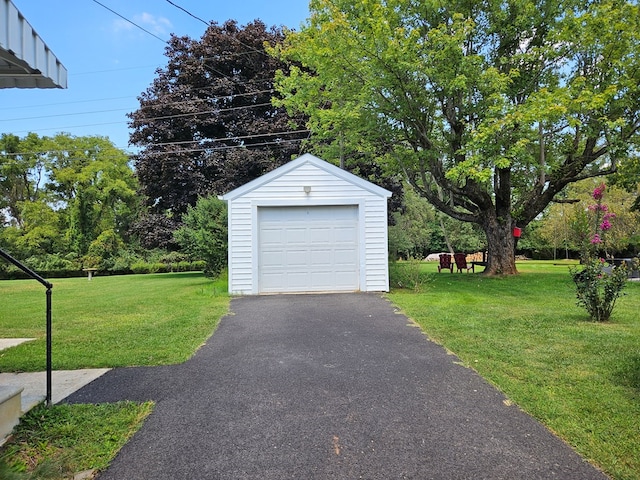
x=326, y=387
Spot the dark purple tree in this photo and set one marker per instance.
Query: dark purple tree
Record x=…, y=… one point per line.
x=207, y=124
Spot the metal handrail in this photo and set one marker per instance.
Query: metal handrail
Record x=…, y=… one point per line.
x=48, y=285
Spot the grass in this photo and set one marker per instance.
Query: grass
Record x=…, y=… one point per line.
x=60, y=441
x=110, y=321
x=526, y=335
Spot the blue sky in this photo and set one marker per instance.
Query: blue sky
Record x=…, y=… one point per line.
x=110, y=62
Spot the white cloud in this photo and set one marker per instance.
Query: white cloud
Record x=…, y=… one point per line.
x=157, y=25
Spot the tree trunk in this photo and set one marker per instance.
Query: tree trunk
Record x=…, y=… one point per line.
x=501, y=258
x=446, y=236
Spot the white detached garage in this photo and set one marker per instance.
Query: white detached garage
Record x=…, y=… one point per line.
x=307, y=226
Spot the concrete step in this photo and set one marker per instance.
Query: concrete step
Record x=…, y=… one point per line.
x=10, y=410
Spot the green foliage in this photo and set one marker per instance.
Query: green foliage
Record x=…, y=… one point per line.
x=60, y=441
x=413, y=228
x=408, y=274
x=62, y=193
x=456, y=95
x=570, y=226
x=204, y=234
x=144, y=267
x=598, y=287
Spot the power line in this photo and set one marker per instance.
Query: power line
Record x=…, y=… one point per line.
x=131, y=22
x=274, y=143
x=142, y=107
x=281, y=143
x=187, y=12
x=62, y=115
x=241, y=137
x=193, y=90
x=201, y=149
x=150, y=119
x=40, y=105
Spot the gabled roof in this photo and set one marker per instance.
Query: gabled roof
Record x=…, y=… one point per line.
x=305, y=159
x=25, y=60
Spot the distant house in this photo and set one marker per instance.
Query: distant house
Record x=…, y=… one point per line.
x=307, y=226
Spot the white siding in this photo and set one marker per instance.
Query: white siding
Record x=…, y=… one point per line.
x=285, y=187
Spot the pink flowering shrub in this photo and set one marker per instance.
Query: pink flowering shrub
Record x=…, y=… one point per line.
x=598, y=285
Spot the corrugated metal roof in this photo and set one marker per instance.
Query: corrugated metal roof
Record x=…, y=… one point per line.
x=25, y=60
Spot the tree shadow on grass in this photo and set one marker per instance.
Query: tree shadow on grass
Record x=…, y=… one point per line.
x=628, y=373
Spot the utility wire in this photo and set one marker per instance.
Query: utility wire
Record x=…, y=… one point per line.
x=61, y=115
x=165, y=117
x=131, y=22
x=193, y=90
x=187, y=12
x=273, y=144
x=222, y=148
x=241, y=137
x=143, y=107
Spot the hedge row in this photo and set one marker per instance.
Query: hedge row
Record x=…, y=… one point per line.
x=13, y=273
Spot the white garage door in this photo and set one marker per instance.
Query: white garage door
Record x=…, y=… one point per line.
x=308, y=249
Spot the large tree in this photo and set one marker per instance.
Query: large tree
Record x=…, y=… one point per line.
x=22, y=174
x=62, y=192
x=207, y=125
x=491, y=108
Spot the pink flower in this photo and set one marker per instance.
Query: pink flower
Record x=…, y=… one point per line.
x=609, y=216
x=598, y=192
x=596, y=239
x=605, y=225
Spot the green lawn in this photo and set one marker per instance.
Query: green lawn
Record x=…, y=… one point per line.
x=525, y=335
x=108, y=322
x=62, y=440
x=111, y=321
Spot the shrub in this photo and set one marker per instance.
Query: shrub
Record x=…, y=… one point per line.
x=598, y=287
x=198, y=265
x=408, y=274
x=204, y=234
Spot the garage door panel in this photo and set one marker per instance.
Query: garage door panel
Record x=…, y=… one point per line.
x=344, y=280
x=320, y=235
x=321, y=258
x=345, y=257
x=272, y=236
x=295, y=258
x=344, y=234
x=316, y=249
x=274, y=259
x=295, y=235
x=271, y=280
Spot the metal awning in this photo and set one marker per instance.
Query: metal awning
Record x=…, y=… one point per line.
x=25, y=60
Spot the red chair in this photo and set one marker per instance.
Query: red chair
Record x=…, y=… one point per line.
x=445, y=262
x=461, y=263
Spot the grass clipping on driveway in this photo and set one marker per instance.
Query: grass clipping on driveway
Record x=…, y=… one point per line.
x=526, y=335
x=63, y=440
